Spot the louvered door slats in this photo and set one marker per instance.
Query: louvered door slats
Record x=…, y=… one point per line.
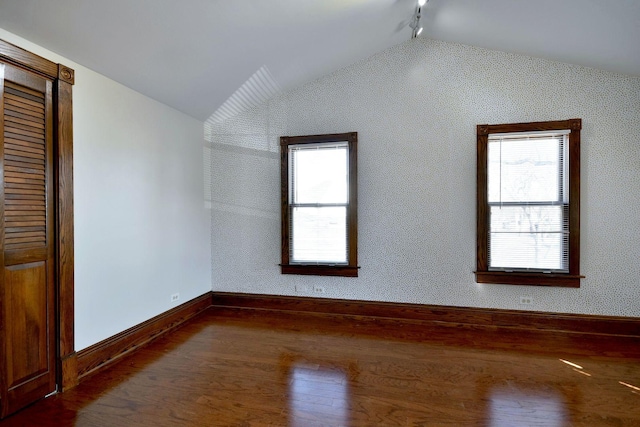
x=24, y=148
x=10, y=152
x=22, y=143
x=26, y=105
x=23, y=116
x=10, y=168
x=24, y=123
x=24, y=172
x=20, y=160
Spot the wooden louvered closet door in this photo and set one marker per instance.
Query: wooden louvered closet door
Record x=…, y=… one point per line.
x=27, y=292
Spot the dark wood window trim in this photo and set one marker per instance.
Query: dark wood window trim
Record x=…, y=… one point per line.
x=483, y=275
x=351, y=268
x=63, y=79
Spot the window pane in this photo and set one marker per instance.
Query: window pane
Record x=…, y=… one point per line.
x=319, y=235
x=528, y=237
x=524, y=170
x=526, y=218
x=319, y=175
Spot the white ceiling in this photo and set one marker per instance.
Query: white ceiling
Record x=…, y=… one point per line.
x=194, y=54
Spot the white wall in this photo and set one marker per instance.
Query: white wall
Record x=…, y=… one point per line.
x=141, y=227
x=416, y=107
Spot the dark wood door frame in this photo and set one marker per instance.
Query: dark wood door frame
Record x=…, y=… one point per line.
x=63, y=79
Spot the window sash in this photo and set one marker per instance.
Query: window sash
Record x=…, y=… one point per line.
x=538, y=164
x=319, y=235
x=533, y=245
x=530, y=230
x=309, y=182
x=318, y=203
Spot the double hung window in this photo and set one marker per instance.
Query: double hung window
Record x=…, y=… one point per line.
x=528, y=203
x=319, y=204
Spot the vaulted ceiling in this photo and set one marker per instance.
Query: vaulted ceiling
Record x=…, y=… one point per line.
x=194, y=54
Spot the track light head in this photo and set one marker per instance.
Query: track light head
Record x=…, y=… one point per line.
x=416, y=22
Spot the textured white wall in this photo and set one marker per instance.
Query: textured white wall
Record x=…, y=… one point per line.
x=141, y=228
x=416, y=107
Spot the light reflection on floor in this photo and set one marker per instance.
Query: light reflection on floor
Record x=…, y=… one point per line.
x=318, y=395
x=510, y=406
x=631, y=386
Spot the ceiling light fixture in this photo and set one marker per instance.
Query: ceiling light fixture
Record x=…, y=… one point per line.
x=416, y=22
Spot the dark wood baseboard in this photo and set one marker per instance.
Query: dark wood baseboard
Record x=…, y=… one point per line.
x=458, y=316
x=68, y=372
x=100, y=355
x=96, y=357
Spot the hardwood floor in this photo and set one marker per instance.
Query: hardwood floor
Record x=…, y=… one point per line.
x=233, y=367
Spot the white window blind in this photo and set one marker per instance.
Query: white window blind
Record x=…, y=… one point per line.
x=528, y=202
x=318, y=201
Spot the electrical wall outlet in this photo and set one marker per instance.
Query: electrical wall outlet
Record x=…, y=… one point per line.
x=318, y=289
x=175, y=297
x=526, y=300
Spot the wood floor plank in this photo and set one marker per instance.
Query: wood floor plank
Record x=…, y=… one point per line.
x=245, y=367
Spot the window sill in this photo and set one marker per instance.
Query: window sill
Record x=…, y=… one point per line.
x=526, y=278
x=320, y=270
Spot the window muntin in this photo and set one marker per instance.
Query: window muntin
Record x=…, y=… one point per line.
x=528, y=203
x=319, y=210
